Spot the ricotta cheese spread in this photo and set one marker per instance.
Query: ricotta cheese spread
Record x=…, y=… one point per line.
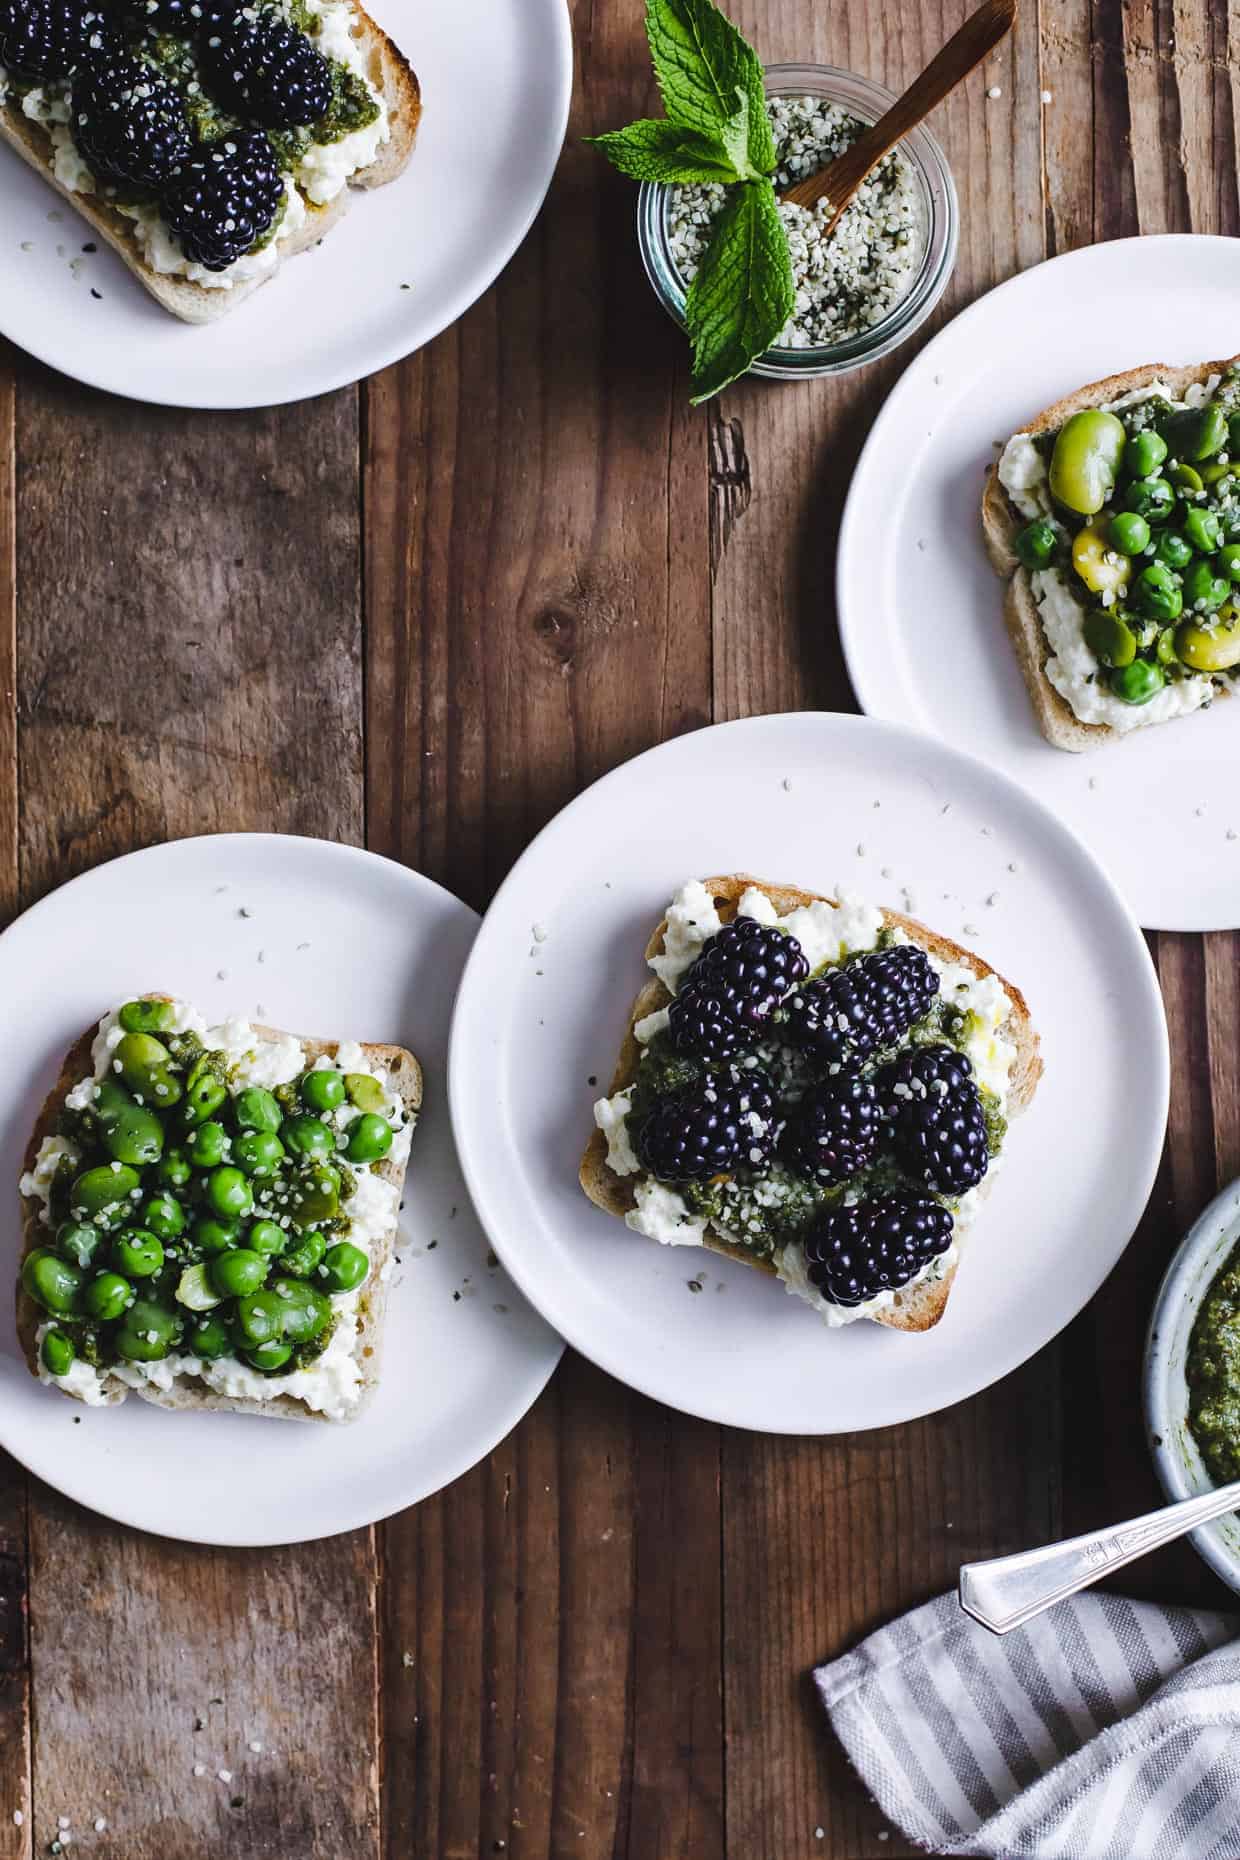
x=826, y=933
x=331, y=1385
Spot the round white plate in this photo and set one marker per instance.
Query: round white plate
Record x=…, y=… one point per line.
x=921, y=609
x=319, y=939
x=824, y=802
x=405, y=262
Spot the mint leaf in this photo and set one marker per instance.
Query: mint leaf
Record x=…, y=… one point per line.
x=701, y=61
x=743, y=293
x=671, y=154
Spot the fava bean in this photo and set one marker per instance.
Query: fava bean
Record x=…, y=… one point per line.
x=316, y=1197
x=78, y=1241
x=130, y=1132
x=1203, y=530
x=146, y=1068
x=1086, y=460
x=1210, y=648
x=1100, y=567
x=57, y=1353
x=1196, y=432
x=256, y=1109
x=364, y=1091
x=147, y=1016
x=104, y=1195
x=54, y=1283
x=1108, y=637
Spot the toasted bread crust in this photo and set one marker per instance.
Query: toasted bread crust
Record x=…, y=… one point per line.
x=1002, y=522
x=924, y=1305
x=407, y=1079
x=391, y=73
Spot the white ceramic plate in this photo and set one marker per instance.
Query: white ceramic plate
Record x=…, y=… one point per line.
x=822, y=801
x=496, y=77
x=920, y=607
x=337, y=943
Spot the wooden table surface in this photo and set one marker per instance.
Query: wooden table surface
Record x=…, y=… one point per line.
x=423, y=615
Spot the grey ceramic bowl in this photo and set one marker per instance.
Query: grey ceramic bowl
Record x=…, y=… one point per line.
x=1201, y=1254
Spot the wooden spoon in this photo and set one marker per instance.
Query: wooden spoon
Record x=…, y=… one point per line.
x=837, y=183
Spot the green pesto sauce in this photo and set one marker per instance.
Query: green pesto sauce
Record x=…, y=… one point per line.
x=1213, y=1376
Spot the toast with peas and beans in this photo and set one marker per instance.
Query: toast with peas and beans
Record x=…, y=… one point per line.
x=818, y=1088
x=1113, y=520
x=205, y=141
x=209, y=1216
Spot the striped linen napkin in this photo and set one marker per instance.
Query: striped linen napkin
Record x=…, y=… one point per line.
x=1105, y=1730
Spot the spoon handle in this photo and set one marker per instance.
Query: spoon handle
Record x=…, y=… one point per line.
x=1007, y=1591
x=979, y=35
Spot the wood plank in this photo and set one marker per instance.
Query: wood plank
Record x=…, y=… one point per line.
x=823, y=1539
x=190, y=660
x=15, y=1798
x=536, y=506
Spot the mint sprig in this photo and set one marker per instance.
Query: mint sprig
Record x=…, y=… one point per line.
x=717, y=131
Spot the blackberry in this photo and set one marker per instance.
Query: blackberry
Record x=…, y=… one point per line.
x=938, y=1122
x=862, y=1006
x=726, y=1120
x=747, y=968
x=224, y=199
x=129, y=123
x=699, y=1020
x=853, y=1253
x=46, y=38
x=262, y=68
x=835, y=1131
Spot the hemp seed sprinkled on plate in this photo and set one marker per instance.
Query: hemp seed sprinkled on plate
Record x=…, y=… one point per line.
x=845, y=284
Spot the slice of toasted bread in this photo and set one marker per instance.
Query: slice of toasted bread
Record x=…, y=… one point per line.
x=390, y=72
x=190, y=1393
x=924, y=1304
x=1002, y=522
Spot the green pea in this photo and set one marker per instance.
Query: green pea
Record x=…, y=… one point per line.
x=1151, y=498
x=302, y=1259
x=256, y=1109
x=78, y=1241
x=1203, y=530
x=229, y=1193
x=1086, y=460
x=57, y=1352
x=212, y=1236
x=1129, y=532
x=364, y=1091
x=307, y=1136
x=1157, y=594
x=130, y=1132
x=259, y=1318
x=1196, y=432
x=1145, y=452
x=210, y=1338
x=52, y=1282
x=270, y=1356
x=237, y=1273
x=267, y=1238
x=258, y=1152
x=146, y=1067
x=164, y=1216
x=1229, y=561
x=1204, y=591
x=173, y=1169
x=1173, y=549
x=316, y=1197
x=209, y=1145
x=137, y=1252
x=370, y=1138
x=306, y=1311
x=344, y=1267
x=323, y=1089
x=1139, y=682
x=1108, y=637
x=203, y=1096
x=148, y=1333
x=1215, y=472
x=107, y=1296
x=104, y=1195
x=1185, y=478
x=147, y=1016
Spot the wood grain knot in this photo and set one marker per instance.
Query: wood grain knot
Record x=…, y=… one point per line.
x=555, y=628
x=731, y=486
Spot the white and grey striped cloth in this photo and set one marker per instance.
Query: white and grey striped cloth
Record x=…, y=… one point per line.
x=1105, y=1730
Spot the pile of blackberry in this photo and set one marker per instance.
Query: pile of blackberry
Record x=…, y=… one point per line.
x=48, y=38
x=728, y=995
x=877, y=1245
x=862, y=1006
x=938, y=1124
x=223, y=200
x=259, y=66
x=129, y=123
x=726, y=1120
